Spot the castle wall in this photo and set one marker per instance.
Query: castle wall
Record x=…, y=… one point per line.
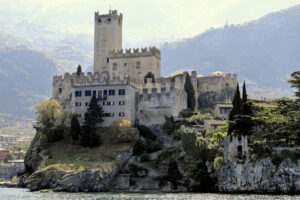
x=216, y=83
x=107, y=38
x=136, y=63
x=154, y=106
x=232, y=144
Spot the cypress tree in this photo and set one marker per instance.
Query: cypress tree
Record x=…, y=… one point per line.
x=245, y=98
x=295, y=83
x=79, y=70
x=237, y=104
x=75, y=128
x=188, y=87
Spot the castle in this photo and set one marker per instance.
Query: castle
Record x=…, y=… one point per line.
x=123, y=91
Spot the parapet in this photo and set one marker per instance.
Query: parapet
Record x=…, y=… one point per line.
x=142, y=52
x=107, y=18
x=92, y=79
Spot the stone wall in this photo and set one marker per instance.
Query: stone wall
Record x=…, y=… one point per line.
x=135, y=64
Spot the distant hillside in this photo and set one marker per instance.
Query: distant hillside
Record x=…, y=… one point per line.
x=264, y=52
x=25, y=80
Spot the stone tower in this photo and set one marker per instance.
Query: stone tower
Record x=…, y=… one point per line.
x=108, y=38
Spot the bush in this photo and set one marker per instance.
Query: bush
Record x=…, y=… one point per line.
x=154, y=146
x=75, y=128
x=185, y=113
x=120, y=131
x=89, y=137
x=146, y=133
x=218, y=162
x=198, y=119
x=139, y=148
x=145, y=157
x=169, y=126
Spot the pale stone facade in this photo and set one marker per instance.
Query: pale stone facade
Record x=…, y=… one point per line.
x=235, y=148
x=145, y=101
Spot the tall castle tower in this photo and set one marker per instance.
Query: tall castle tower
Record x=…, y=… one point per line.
x=108, y=37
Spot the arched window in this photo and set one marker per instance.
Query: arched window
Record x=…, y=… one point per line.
x=59, y=90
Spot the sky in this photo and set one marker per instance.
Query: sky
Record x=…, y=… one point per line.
x=144, y=21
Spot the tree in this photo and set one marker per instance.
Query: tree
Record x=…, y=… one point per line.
x=149, y=75
x=295, y=83
x=75, y=128
x=237, y=104
x=49, y=113
x=188, y=87
x=79, y=70
x=93, y=116
x=245, y=98
x=94, y=113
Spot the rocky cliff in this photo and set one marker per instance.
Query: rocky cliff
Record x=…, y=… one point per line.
x=261, y=176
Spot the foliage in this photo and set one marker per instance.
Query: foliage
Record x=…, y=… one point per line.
x=146, y=146
x=218, y=162
x=145, y=157
x=177, y=74
x=169, y=126
x=189, y=142
x=198, y=119
x=188, y=87
x=49, y=113
x=146, y=133
x=93, y=117
x=121, y=131
x=75, y=128
x=149, y=75
x=186, y=113
x=173, y=173
x=237, y=104
x=244, y=98
x=295, y=83
x=79, y=70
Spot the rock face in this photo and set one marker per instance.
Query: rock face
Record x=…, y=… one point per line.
x=262, y=177
x=70, y=181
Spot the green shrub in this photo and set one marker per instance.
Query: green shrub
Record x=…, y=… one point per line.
x=146, y=133
x=169, y=126
x=198, y=119
x=218, y=162
x=185, y=113
x=154, y=146
x=145, y=157
x=139, y=147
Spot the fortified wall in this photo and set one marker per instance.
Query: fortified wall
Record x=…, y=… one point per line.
x=216, y=89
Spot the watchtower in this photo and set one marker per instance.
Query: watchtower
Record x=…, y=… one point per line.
x=108, y=38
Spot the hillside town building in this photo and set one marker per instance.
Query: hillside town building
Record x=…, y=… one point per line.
x=123, y=91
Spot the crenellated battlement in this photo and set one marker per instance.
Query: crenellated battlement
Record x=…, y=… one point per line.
x=135, y=52
x=107, y=18
x=92, y=79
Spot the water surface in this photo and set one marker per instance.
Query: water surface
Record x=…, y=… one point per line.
x=22, y=194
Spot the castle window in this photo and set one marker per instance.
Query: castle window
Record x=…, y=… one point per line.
x=104, y=103
x=108, y=19
x=115, y=66
x=121, y=91
x=105, y=92
x=99, y=20
x=59, y=90
x=121, y=114
x=240, y=151
x=86, y=103
x=111, y=92
x=94, y=93
x=223, y=110
x=76, y=104
x=110, y=103
x=77, y=93
x=125, y=64
x=138, y=64
x=88, y=93
x=99, y=93
x=107, y=60
x=121, y=102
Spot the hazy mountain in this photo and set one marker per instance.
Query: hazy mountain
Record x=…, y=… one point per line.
x=264, y=52
x=25, y=80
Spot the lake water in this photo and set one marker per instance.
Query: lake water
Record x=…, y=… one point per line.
x=20, y=194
